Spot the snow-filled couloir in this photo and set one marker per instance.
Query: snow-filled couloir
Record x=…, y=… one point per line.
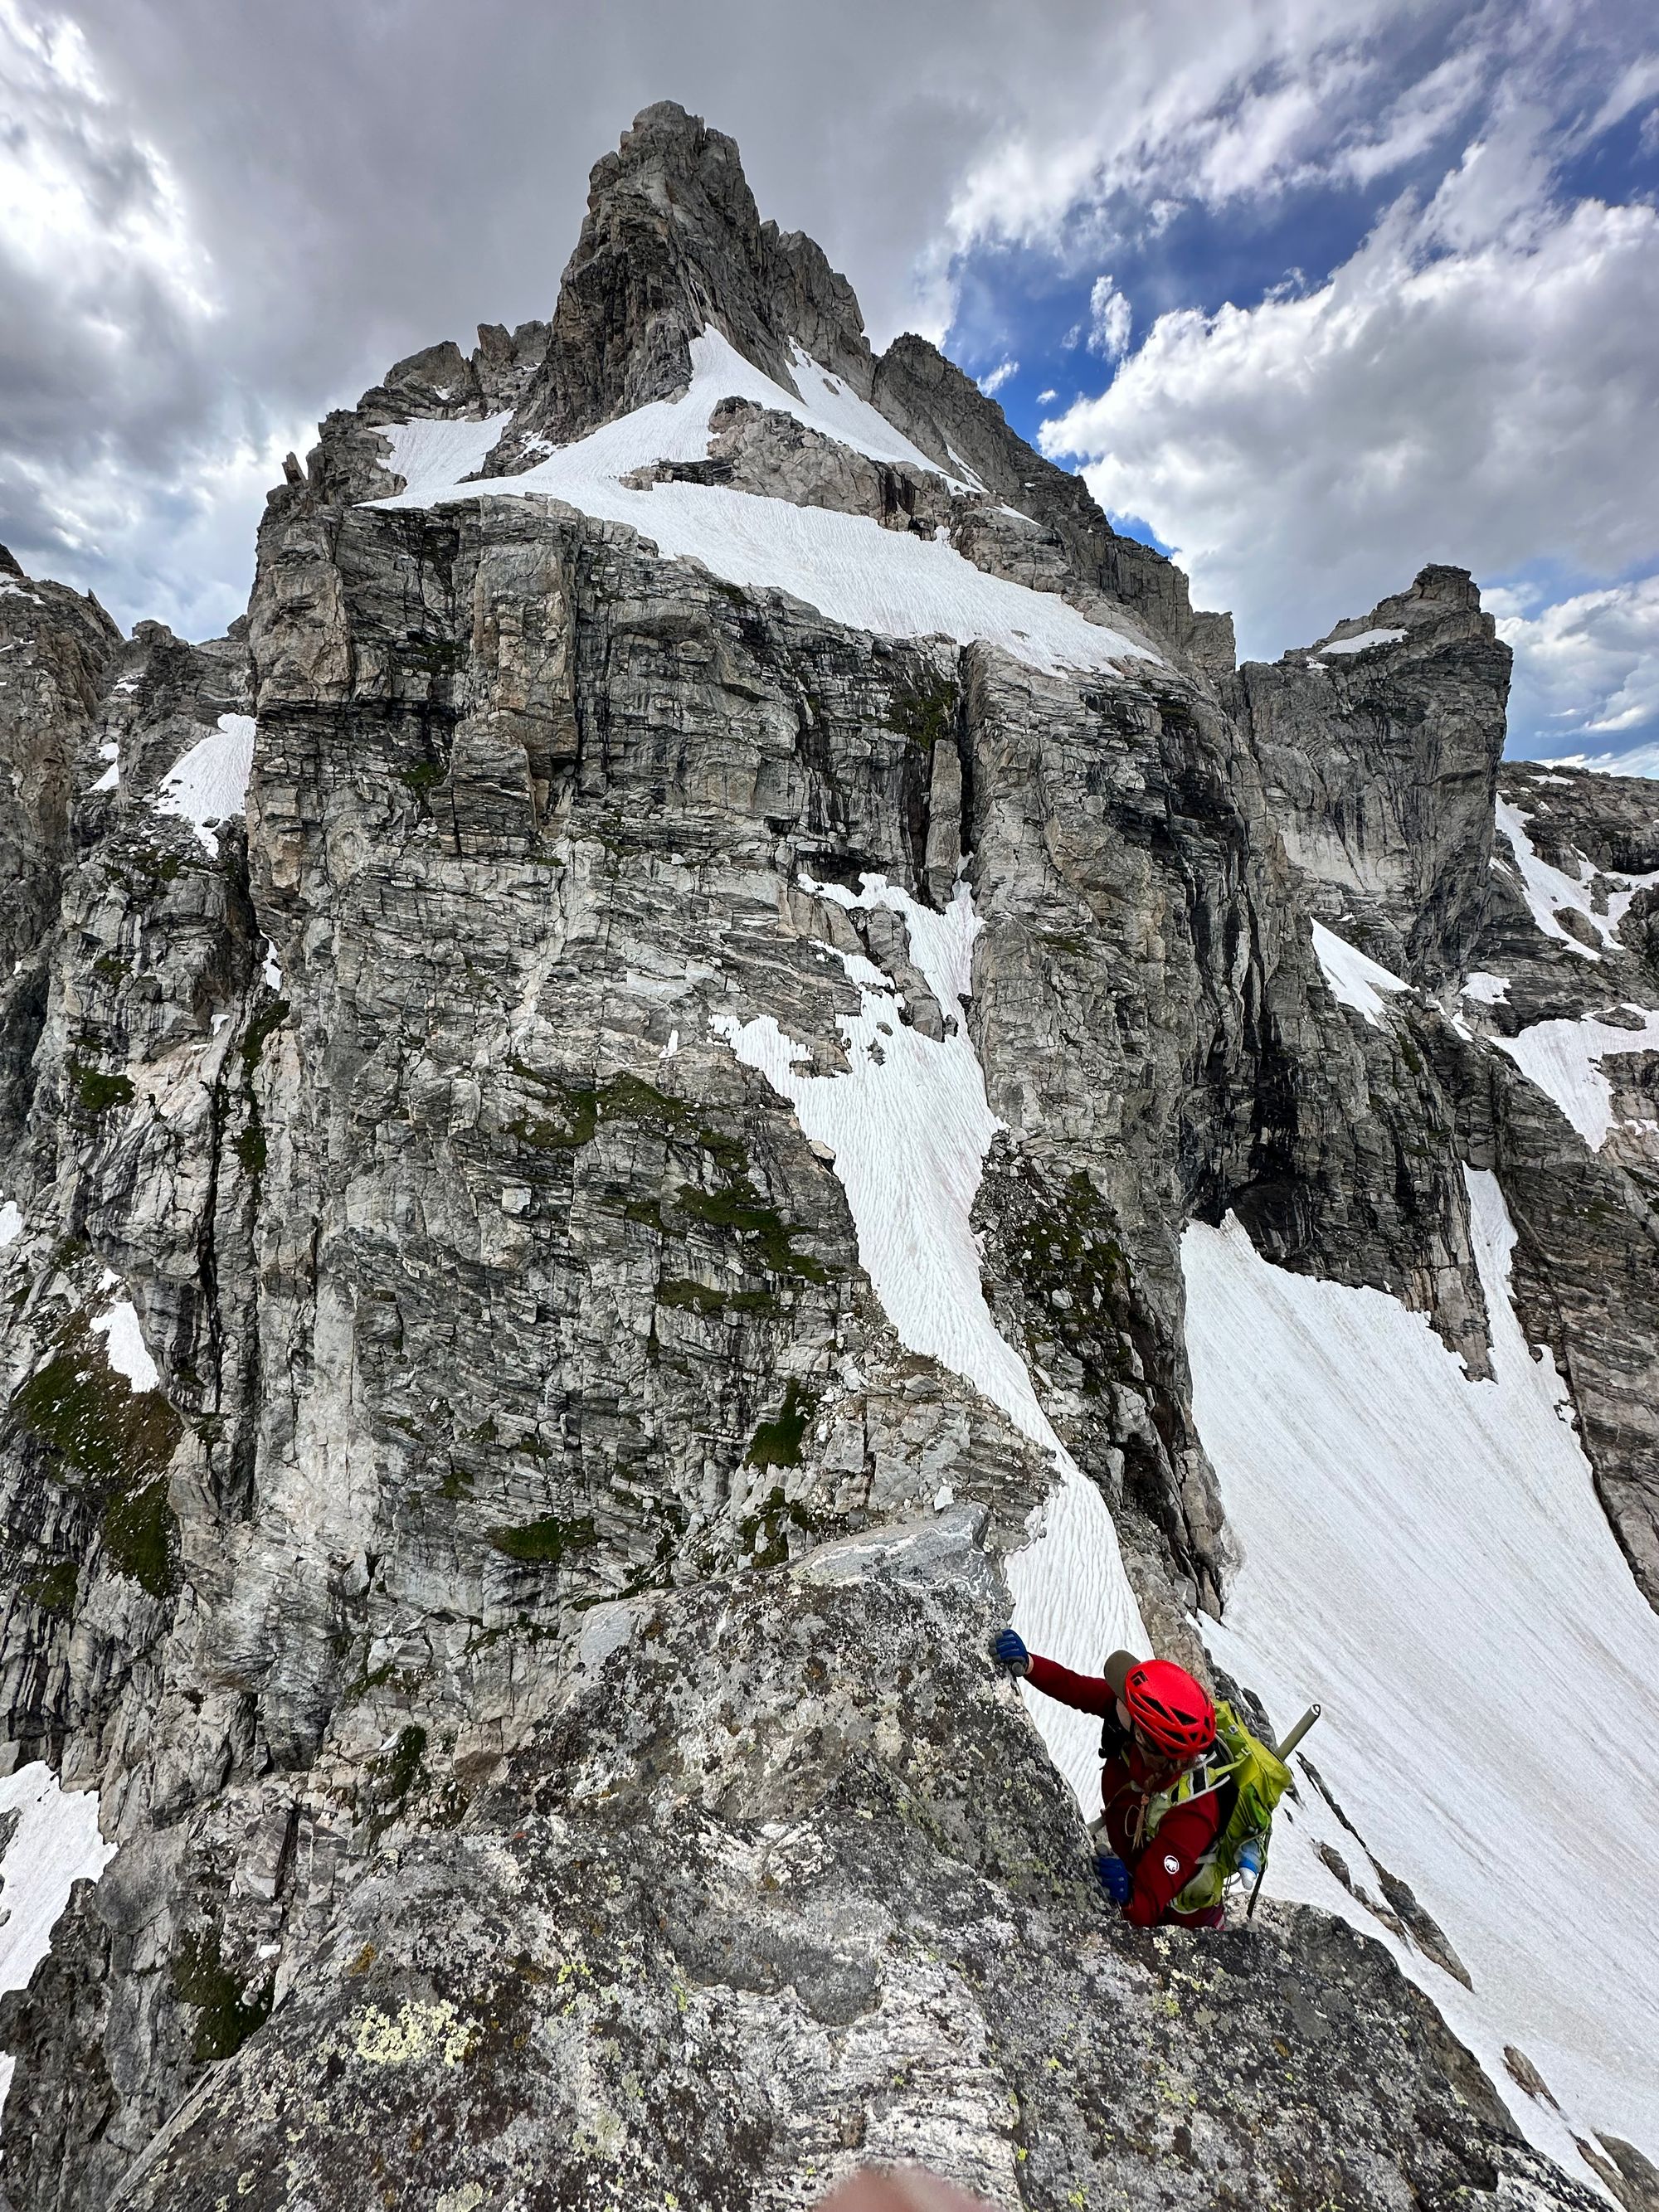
x=1425, y=1553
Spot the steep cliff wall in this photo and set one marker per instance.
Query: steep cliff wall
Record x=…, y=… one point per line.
x=641, y=1159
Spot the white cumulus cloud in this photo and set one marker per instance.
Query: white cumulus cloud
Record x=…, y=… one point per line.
x=991, y=385
x=1110, y=320
x=1476, y=385
x=1587, y=665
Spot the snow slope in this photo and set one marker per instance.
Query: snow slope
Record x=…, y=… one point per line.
x=1354, y=980
x=1563, y=1059
x=56, y=1844
x=1363, y=643
x=1550, y=890
x=433, y=457
x=888, y=581
x=209, y=783
x=909, y=1131
x=1425, y=1554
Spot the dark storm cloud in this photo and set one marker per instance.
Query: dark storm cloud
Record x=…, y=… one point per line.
x=238, y=217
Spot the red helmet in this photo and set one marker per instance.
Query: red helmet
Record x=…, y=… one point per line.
x=1169, y=1708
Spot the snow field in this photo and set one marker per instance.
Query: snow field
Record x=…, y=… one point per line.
x=433, y=457
x=1549, y=891
x=909, y=1130
x=889, y=582
x=209, y=783
x=1425, y=1555
x=56, y=1844
x=1563, y=1059
x=1354, y=980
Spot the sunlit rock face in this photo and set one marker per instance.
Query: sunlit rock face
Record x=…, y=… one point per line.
x=644, y=1114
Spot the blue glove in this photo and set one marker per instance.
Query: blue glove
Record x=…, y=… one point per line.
x=1114, y=1877
x=1011, y=1652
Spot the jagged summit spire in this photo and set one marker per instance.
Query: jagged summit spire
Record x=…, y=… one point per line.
x=672, y=243
x=672, y=246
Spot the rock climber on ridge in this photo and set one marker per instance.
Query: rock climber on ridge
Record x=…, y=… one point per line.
x=1162, y=1812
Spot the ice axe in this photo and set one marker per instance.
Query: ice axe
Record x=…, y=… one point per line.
x=1282, y=1753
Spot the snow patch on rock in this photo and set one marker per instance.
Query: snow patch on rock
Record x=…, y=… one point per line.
x=1364, y=642
x=209, y=783
x=1563, y=1059
x=887, y=581
x=1355, y=981
x=124, y=1345
x=432, y=457
x=55, y=1845
x=1549, y=891
x=1485, y=990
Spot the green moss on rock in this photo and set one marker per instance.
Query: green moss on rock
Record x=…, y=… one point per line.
x=86, y=1414
x=704, y=1298
x=1075, y=1277
x=578, y=1111
x=764, y=1534
x=398, y=1771
x=739, y=1209
x=52, y=1588
x=97, y=1092
x=113, y=1441
x=141, y=1536
x=777, y=1443
x=224, y=2019
x=545, y=1543
x=259, y=1030
x=925, y=712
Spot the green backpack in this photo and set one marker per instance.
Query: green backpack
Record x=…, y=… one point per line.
x=1249, y=1778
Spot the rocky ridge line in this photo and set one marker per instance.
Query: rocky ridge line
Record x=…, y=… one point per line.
x=529, y=1669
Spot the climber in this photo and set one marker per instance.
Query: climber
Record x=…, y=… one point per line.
x=1158, y=1816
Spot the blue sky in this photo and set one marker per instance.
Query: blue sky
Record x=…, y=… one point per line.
x=1380, y=302
x=1321, y=289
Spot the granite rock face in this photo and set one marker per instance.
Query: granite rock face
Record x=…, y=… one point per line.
x=1580, y=851
x=1380, y=746
x=673, y=243
x=529, y=1640
x=948, y=416
x=55, y=649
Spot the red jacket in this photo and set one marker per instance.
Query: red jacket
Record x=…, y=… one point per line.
x=1163, y=1866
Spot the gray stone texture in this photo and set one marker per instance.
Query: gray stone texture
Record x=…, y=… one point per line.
x=1380, y=766
x=543, y=1716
